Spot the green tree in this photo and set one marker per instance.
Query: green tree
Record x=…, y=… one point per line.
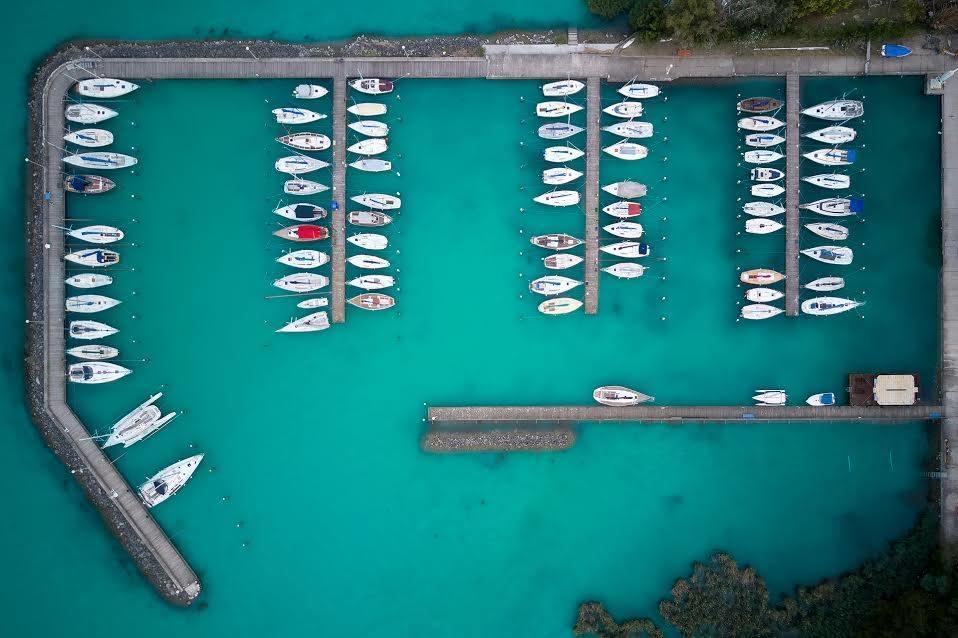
x=822, y=7
x=771, y=15
x=692, y=21
x=609, y=8
x=647, y=18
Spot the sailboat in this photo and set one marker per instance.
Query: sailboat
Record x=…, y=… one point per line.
x=559, y=306
x=88, y=184
x=763, y=295
x=562, y=88
x=304, y=259
x=368, y=218
x=372, y=301
x=369, y=262
x=627, y=151
x=372, y=128
x=305, y=141
x=625, y=270
x=561, y=261
x=90, y=137
x=379, y=201
x=302, y=282
x=767, y=190
x=761, y=277
x=831, y=156
x=303, y=187
x=626, y=189
x=623, y=210
x=88, y=113
x=627, y=249
x=93, y=352
x=560, y=175
x=372, y=282
x=90, y=303
x=558, y=198
x=168, y=481
x=372, y=86
x=761, y=157
x=310, y=323
x=142, y=421
x=836, y=110
x=293, y=115
x=625, y=230
x=92, y=372
x=369, y=146
x=303, y=233
x=770, y=397
x=823, y=306
x=832, y=135
x=309, y=91
x=762, y=226
x=829, y=231
x=301, y=212
x=556, y=109
x=299, y=164
x=553, y=285
x=625, y=110
x=837, y=255
x=759, y=105
x=96, y=234
x=90, y=330
x=763, y=140
x=826, y=284
x=102, y=160
x=617, y=395
x=763, y=209
x=105, y=87
x=372, y=165
x=638, y=91
x=631, y=129
x=835, y=206
x=94, y=257
x=369, y=241
x=556, y=241
x=760, y=123
x=560, y=154
x=758, y=311
x=558, y=130
x=367, y=109
x=315, y=302
x=832, y=181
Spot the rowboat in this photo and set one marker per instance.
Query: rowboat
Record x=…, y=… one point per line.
x=299, y=164
x=94, y=257
x=770, y=397
x=368, y=218
x=558, y=198
x=562, y=88
x=553, y=285
x=97, y=234
x=370, y=146
x=761, y=157
x=823, y=306
x=617, y=395
x=378, y=201
x=372, y=165
x=831, y=156
x=305, y=141
x=760, y=226
x=826, y=284
x=829, y=231
x=303, y=233
x=102, y=160
x=759, y=105
x=168, y=481
x=625, y=230
x=625, y=270
x=96, y=372
x=556, y=109
x=638, y=91
x=760, y=123
x=761, y=277
x=293, y=115
x=894, y=50
x=763, y=209
x=369, y=262
x=835, y=206
x=310, y=323
x=833, y=181
x=309, y=91
x=767, y=190
x=105, y=87
x=561, y=261
x=556, y=241
x=301, y=212
x=369, y=241
x=90, y=137
x=763, y=140
x=89, y=330
x=93, y=352
x=302, y=282
x=625, y=110
x=371, y=128
x=88, y=113
x=558, y=130
x=627, y=249
x=836, y=110
x=142, y=421
x=559, y=154
x=367, y=109
x=763, y=295
x=560, y=175
x=627, y=151
x=821, y=399
x=758, y=311
x=837, y=255
x=623, y=210
x=626, y=189
x=372, y=86
x=303, y=187
x=766, y=174
x=315, y=302
x=559, y=306
x=304, y=259
x=372, y=301
x=88, y=280
x=88, y=184
x=833, y=135
x=631, y=129
x=372, y=282
x=90, y=303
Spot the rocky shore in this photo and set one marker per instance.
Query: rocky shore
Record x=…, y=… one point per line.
x=514, y=440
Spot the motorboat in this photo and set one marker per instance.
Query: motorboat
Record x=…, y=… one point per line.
x=315, y=302
x=301, y=212
x=369, y=241
x=559, y=306
x=824, y=306
x=372, y=165
x=760, y=123
x=767, y=190
x=763, y=295
x=770, y=397
x=762, y=226
x=757, y=311
x=302, y=282
x=835, y=206
x=766, y=174
x=303, y=187
x=625, y=230
x=894, y=50
x=623, y=209
x=759, y=105
x=831, y=156
x=627, y=151
x=88, y=184
x=94, y=257
x=763, y=140
x=299, y=164
x=561, y=261
x=556, y=241
x=822, y=399
x=627, y=249
x=304, y=259
x=626, y=189
x=625, y=270
x=102, y=160
x=560, y=175
x=558, y=130
x=105, y=87
x=558, y=198
x=562, y=88
x=90, y=137
x=142, y=421
x=368, y=218
x=168, y=481
x=369, y=146
x=379, y=201
x=832, y=181
x=90, y=303
x=833, y=135
x=368, y=262
x=305, y=141
x=837, y=255
x=828, y=231
x=372, y=301
x=836, y=110
x=84, y=113
x=761, y=157
x=617, y=395
x=312, y=322
x=93, y=352
x=96, y=372
x=560, y=154
x=367, y=109
x=88, y=280
x=763, y=209
x=761, y=277
x=303, y=233
x=625, y=110
x=826, y=284
x=553, y=285
x=96, y=234
x=638, y=91
x=631, y=129
x=372, y=86
x=556, y=109
x=372, y=282
x=293, y=115
x=309, y=91
x=90, y=330
x=370, y=128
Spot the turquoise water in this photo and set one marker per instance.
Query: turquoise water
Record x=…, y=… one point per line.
x=348, y=528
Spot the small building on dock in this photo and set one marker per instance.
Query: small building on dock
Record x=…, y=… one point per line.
x=883, y=389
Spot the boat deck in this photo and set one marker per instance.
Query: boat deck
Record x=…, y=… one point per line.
x=792, y=167
x=593, y=136
x=338, y=222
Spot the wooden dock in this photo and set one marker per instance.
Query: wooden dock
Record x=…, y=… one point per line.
x=949, y=310
x=792, y=167
x=593, y=114
x=338, y=218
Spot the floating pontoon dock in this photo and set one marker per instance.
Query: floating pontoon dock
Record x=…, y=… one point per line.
x=792, y=166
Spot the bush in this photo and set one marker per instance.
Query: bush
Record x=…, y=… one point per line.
x=647, y=18
x=692, y=21
x=822, y=7
x=609, y=8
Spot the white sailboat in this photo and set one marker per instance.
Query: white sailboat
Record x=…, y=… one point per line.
x=623, y=209
x=760, y=123
x=101, y=160
x=627, y=249
x=369, y=241
x=763, y=209
x=92, y=372
x=625, y=270
x=832, y=181
x=562, y=88
x=561, y=261
x=824, y=306
x=88, y=113
x=372, y=282
x=556, y=109
x=631, y=129
x=767, y=190
x=313, y=322
x=93, y=352
x=302, y=282
x=835, y=206
x=758, y=311
x=90, y=137
x=626, y=189
x=370, y=146
x=831, y=156
x=305, y=141
x=379, y=201
x=293, y=115
x=367, y=109
x=617, y=395
x=826, y=284
x=625, y=110
x=372, y=165
x=371, y=128
x=627, y=151
x=299, y=164
x=560, y=175
x=90, y=330
x=142, y=422
x=638, y=91
x=556, y=241
x=303, y=187
x=833, y=135
x=553, y=285
x=625, y=230
x=315, y=302
x=304, y=259
x=829, y=231
x=560, y=154
x=96, y=234
x=558, y=198
x=302, y=212
x=368, y=262
x=309, y=91
x=837, y=255
x=762, y=226
x=559, y=306
x=763, y=140
x=558, y=130
x=761, y=157
x=763, y=295
x=105, y=87
x=168, y=481
x=90, y=303
x=94, y=257
x=836, y=110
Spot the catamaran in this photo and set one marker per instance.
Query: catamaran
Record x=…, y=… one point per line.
x=303, y=187
x=761, y=157
x=559, y=154
x=309, y=91
x=831, y=156
x=553, y=285
x=836, y=110
x=617, y=395
x=559, y=306
x=761, y=226
x=623, y=210
x=293, y=115
x=303, y=233
x=378, y=201
x=304, y=259
x=369, y=146
x=100, y=159
x=299, y=164
x=88, y=113
x=761, y=277
x=625, y=270
x=763, y=209
x=829, y=231
x=89, y=330
x=372, y=165
x=562, y=88
x=627, y=151
x=368, y=262
x=760, y=123
x=837, y=255
x=556, y=109
x=90, y=303
x=369, y=241
x=627, y=249
x=638, y=91
x=757, y=311
x=142, y=422
x=826, y=284
x=763, y=140
x=835, y=206
x=372, y=301
x=301, y=212
x=302, y=282
x=561, y=261
x=168, y=481
x=369, y=218
x=767, y=190
x=558, y=198
x=88, y=184
x=94, y=257
x=770, y=397
x=93, y=352
x=631, y=129
x=96, y=234
x=625, y=110
x=763, y=295
x=766, y=174
x=372, y=282
x=305, y=141
x=558, y=130
x=833, y=135
x=560, y=175
x=823, y=306
x=367, y=109
x=372, y=86
x=90, y=137
x=833, y=181
x=313, y=322
x=96, y=372
x=759, y=105
x=370, y=128
x=105, y=87
x=625, y=230
x=556, y=241
x=626, y=189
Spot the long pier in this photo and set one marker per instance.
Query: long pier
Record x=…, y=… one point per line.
x=949, y=310
x=593, y=136
x=792, y=167
x=338, y=217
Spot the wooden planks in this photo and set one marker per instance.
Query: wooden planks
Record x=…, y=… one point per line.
x=593, y=137
x=338, y=221
x=792, y=167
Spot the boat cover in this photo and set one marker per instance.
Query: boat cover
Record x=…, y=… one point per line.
x=894, y=50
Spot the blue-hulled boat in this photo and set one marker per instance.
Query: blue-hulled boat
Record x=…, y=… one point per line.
x=894, y=50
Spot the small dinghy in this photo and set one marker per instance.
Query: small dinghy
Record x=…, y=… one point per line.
x=763, y=209
x=372, y=165
x=631, y=129
x=370, y=128
x=372, y=301
x=836, y=110
x=759, y=105
x=89, y=330
x=562, y=88
x=90, y=303
x=760, y=124
x=97, y=234
x=90, y=137
x=770, y=397
x=763, y=295
x=627, y=151
x=617, y=395
x=88, y=280
x=302, y=282
x=168, y=481
x=556, y=109
x=824, y=306
x=558, y=198
x=100, y=160
x=560, y=154
x=833, y=135
x=625, y=110
x=638, y=91
x=761, y=157
x=623, y=210
x=88, y=113
x=822, y=398
x=761, y=277
x=627, y=249
x=763, y=140
x=837, y=255
x=93, y=352
x=765, y=174
x=626, y=189
x=561, y=261
x=372, y=86
x=558, y=130
x=369, y=241
x=560, y=175
x=303, y=187
x=309, y=91
x=826, y=284
x=829, y=231
x=553, y=285
x=105, y=87
x=559, y=306
x=293, y=115
x=303, y=233
x=625, y=270
x=829, y=180
x=757, y=311
x=369, y=218
x=760, y=226
x=372, y=282
x=310, y=323
x=367, y=109
x=556, y=241
x=835, y=206
x=369, y=262
x=305, y=141
x=301, y=212
x=371, y=146
x=88, y=184
x=299, y=164
x=625, y=230
x=143, y=421
x=831, y=156
x=379, y=201
x=315, y=302
x=94, y=257
x=894, y=50
x=767, y=190
x=96, y=372
x=304, y=259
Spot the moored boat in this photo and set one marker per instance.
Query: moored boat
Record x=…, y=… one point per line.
x=556, y=241
x=372, y=282
x=90, y=137
x=761, y=277
x=758, y=311
x=560, y=154
x=90, y=330
x=627, y=249
x=168, y=481
x=623, y=210
x=96, y=234
x=368, y=262
x=379, y=201
x=826, y=284
x=822, y=399
x=558, y=130
x=309, y=91
x=553, y=285
x=372, y=301
x=367, y=109
x=832, y=181
x=303, y=233
x=101, y=160
x=627, y=151
x=88, y=280
x=315, y=302
x=763, y=295
x=638, y=90
x=625, y=110
x=93, y=352
x=835, y=206
x=767, y=190
x=562, y=88
x=833, y=135
x=302, y=212
x=760, y=123
x=371, y=128
x=766, y=174
x=761, y=157
x=626, y=189
x=763, y=209
x=625, y=270
x=304, y=259
x=762, y=226
x=837, y=255
x=556, y=109
x=368, y=218
x=88, y=184
x=369, y=146
x=558, y=198
x=303, y=187
x=894, y=51
x=770, y=397
x=372, y=165
x=759, y=104
x=96, y=372
x=293, y=115
x=88, y=113
x=313, y=322
x=372, y=86
x=369, y=241
x=617, y=395
x=823, y=306
x=631, y=129
x=625, y=230
x=305, y=141
x=763, y=140
x=829, y=231
x=302, y=282
x=836, y=110
x=561, y=261
x=560, y=175
x=90, y=303
x=105, y=87
x=94, y=257
x=299, y=164
x=831, y=156
x=141, y=422
x=559, y=306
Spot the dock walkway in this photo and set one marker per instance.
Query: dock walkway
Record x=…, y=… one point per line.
x=338, y=218
x=949, y=309
x=593, y=136
x=792, y=167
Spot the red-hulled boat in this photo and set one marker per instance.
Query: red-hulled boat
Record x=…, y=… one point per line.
x=88, y=184
x=303, y=232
